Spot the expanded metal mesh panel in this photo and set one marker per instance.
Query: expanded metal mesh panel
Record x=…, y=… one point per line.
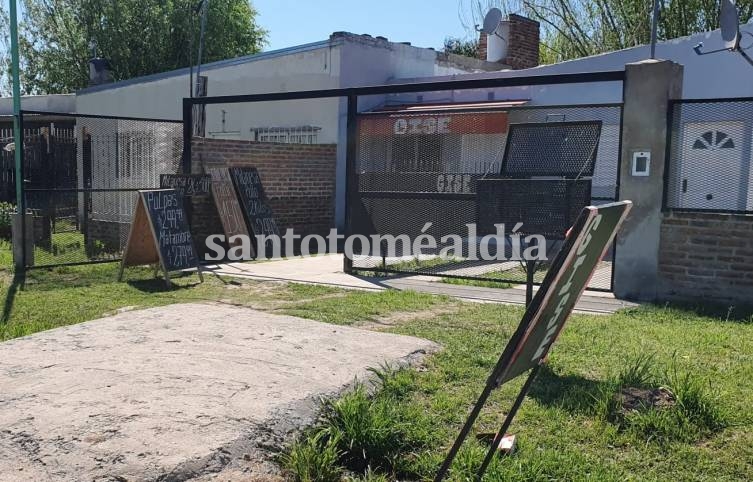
x=470, y=143
x=710, y=163
x=441, y=168
x=67, y=230
x=605, y=174
x=566, y=149
x=389, y=215
x=542, y=206
x=82, y=175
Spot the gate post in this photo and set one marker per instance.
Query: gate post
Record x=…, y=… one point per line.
x=20, y=260
x=649, y=86
x=350, y=185
x=187, y=135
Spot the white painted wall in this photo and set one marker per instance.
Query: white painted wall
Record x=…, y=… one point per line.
x=342, y=61
x=49, y=103
x=316, y=67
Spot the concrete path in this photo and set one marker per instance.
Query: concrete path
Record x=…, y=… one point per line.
x=327, y=270
x=173, y=393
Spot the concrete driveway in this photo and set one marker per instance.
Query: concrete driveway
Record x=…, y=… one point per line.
x=174, y=393
x=327, y=270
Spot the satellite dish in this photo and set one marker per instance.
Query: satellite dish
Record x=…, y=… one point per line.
x=730, y=23
x=492, y=20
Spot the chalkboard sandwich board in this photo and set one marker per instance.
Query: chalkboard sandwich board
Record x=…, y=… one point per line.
x=228, y=208
x=160, y=234
x=251, y=194
x=187, y=184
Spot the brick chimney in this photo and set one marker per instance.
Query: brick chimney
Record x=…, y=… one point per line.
x=521, y=43
x=523, y=46
x=481, y=52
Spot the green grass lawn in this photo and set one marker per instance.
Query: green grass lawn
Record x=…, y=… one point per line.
x=48, y=298
x=573, y=425
x=6, y=254
x=64, y=248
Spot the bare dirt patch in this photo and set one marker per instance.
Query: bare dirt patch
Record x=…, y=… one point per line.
x=634, y=399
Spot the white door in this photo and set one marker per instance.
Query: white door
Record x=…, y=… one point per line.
x=711, y=167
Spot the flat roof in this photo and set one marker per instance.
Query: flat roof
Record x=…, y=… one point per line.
x=213, y=65
x=413, y=108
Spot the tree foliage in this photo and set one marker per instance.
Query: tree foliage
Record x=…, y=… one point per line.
x=578, y=28
x=138, y=37
x=468, y=48
x=5, y=86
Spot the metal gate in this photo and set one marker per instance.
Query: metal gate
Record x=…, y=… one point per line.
x=81, y=174
x=417, y=167
x=414, y=168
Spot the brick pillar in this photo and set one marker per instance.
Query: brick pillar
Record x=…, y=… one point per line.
x=649, y=85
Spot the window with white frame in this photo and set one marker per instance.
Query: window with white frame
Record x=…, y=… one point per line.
x=287, y=135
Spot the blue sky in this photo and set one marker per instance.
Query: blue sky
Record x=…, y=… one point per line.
x=424, y=23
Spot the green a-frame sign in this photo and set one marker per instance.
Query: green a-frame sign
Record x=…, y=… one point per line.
x=572, y=268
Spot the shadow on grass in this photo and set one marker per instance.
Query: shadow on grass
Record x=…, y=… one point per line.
x=19, y=281
x=158, y=285
x=572, y=393
x=740, y=313
x=224, y=281
x=83, y=276
x=723, y=312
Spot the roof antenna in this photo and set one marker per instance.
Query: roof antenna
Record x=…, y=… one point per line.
x=729, y=19
x=492, y=20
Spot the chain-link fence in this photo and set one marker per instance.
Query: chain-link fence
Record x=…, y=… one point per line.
x=81, y=176
x=710, y=162
x=453, y=170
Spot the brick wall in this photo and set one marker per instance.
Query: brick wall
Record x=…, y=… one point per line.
x=523, y=44
x=707, y=257
x=298, y=180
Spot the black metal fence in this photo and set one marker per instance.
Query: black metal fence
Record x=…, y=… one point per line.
x=453, y=170
x=81, y=174
x=710, y=149
x=424, y=168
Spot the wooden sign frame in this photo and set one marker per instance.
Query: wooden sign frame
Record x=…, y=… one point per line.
x=142, y=246
x=222, y=174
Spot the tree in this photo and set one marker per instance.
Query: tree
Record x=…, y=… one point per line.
x=137, y=37
x=468, y=48
x=578, y=28
x=5, y=87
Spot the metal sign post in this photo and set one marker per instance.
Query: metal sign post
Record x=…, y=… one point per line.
x=545, y=317
x=18, y=142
